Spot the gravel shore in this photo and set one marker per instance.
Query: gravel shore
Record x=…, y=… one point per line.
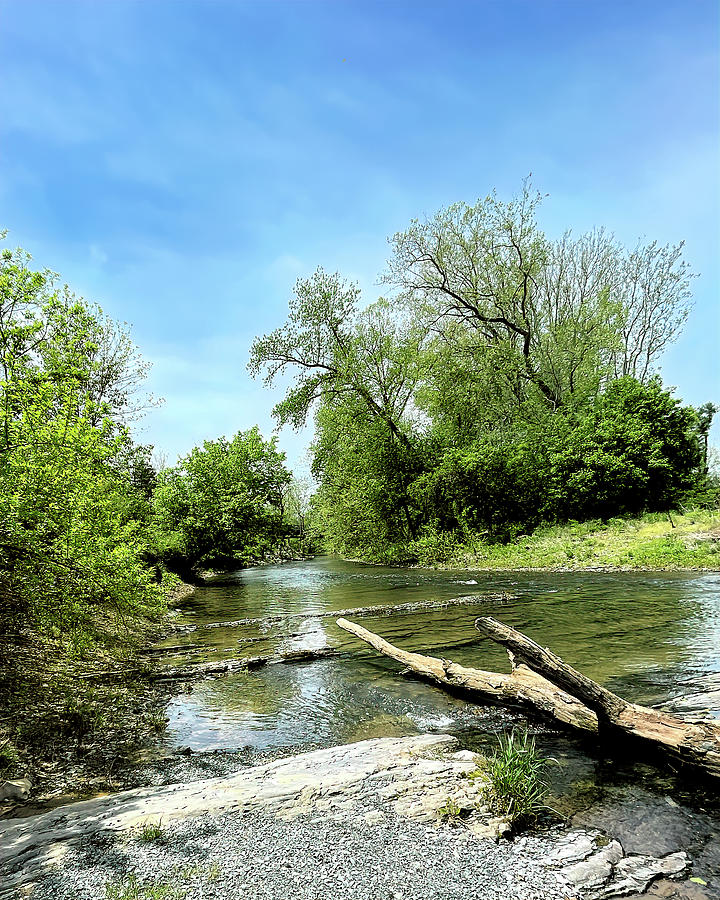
x=237, y=857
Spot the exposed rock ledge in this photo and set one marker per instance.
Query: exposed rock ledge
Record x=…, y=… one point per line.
x=416, y=775
x=412, y=777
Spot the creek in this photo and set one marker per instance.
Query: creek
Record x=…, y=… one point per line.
x=644, y=635
x=650, y=636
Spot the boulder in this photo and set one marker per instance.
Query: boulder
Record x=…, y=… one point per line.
x=599, y=872
x=18, y=790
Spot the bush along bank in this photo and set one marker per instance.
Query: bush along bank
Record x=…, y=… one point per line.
x=94, y=541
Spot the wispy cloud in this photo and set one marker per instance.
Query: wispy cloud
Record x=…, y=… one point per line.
x=185, y=163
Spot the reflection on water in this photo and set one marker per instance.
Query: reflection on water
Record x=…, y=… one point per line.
x=640, y=633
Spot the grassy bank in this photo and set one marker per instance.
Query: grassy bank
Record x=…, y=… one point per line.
x=680, y=540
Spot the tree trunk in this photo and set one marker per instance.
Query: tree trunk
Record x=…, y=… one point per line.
x=522, y=686
x=695, y=743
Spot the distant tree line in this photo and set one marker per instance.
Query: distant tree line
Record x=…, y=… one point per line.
x=507, y=380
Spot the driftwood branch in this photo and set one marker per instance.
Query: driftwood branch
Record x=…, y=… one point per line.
x=696, y=743
x=522, y=686
x=245, y=663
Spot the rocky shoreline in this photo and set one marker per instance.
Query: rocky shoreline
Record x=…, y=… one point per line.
x=362, y=820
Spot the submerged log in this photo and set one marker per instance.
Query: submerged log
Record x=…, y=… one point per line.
x=522, y=686
x=695, y=743
x=246, y=663
x=374, y=611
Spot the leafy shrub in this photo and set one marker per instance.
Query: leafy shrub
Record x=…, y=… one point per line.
x=450, y=811
x=434, y=546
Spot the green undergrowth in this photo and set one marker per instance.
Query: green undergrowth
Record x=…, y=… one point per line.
x=689, y=539
x=75, y=714
x=131, y=889
x=686, y=539
x=174, y=887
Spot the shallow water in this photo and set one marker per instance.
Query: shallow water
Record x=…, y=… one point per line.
x=643, y=634
x=648, y=636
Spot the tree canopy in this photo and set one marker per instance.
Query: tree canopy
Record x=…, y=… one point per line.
x=507, y=379
x=73, y=506
x=223, y=504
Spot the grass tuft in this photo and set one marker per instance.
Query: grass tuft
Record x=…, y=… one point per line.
x=151, y=832
x=516, y=786
x=132, y=889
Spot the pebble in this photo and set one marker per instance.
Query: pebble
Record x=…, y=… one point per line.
x=238, y=857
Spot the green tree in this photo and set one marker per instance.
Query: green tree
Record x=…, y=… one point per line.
x=636, y=450
x=362, y=505
x=223, y=504
x=509, y=381
x=370, y=361
x=71, y=517
x=554, y=320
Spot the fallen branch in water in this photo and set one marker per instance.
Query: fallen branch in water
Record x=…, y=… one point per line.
x=522, y=686
x=541, y=679
x=695, y=743
x=383, y=610
x=244, y=664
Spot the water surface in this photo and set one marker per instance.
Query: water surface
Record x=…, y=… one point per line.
x=642, y=634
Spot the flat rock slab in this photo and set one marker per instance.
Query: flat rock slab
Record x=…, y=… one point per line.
x=414, y=775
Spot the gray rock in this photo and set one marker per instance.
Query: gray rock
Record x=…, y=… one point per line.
x=591, y=875
x=644, y=824
x=633, y=874
x=19, y=789
x=374, y=817
x=574, y=847
x=264, y=858
x=607, y=872
x=330, y=781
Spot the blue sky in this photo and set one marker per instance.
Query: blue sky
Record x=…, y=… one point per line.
x=182, y=163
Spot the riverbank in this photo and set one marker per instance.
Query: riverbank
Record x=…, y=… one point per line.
x=676, y=541
x=367, y=819
x=238, y=723
x=73, y=720
x=75, y=737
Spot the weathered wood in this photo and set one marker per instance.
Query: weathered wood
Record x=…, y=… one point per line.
x=245, y=663
x=374, y=611
x=522, y=686
x=695, y=743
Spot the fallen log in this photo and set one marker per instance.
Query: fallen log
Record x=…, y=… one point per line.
x=246, y=663
x=694, y=743
x=521, y=687
x=373, y=611
x=205, y=670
